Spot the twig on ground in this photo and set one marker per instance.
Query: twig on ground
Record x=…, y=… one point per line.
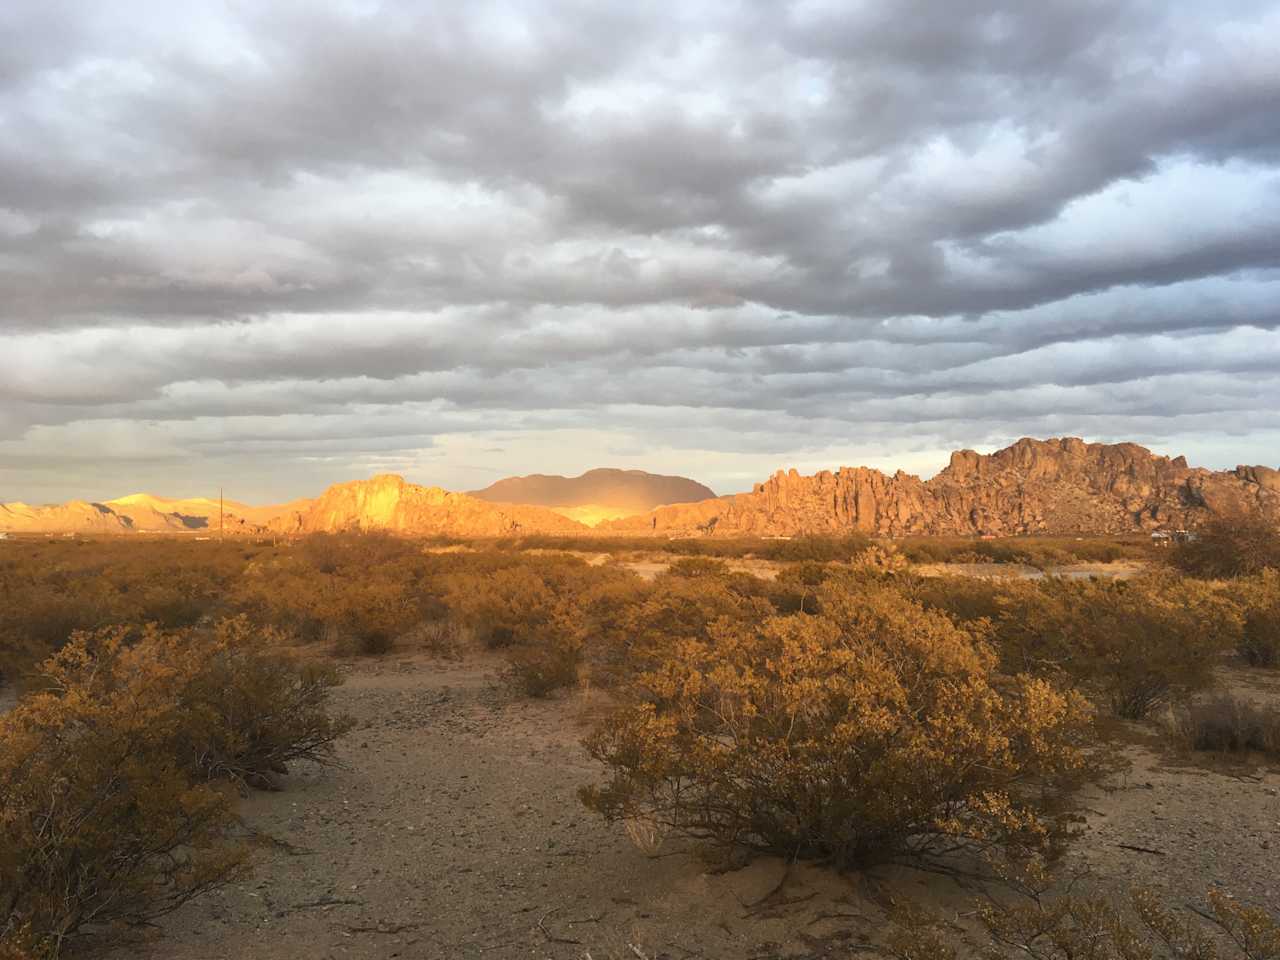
x=326, y=902
x=380, y=928
x=837, y=916
x=551, y=936
x=685, y=950
x=1153, y=852
x=1202, y=913
x=765, y=907
x=267, y=840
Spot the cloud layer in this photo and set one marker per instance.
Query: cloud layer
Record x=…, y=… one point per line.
x=272, y=246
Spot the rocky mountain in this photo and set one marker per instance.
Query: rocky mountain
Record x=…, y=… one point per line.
x=1061, y=486
x=597, y=495
x=387, y=502
x=138, y=513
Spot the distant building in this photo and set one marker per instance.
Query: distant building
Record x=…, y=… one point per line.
x=3, y=535
x=1164, y=538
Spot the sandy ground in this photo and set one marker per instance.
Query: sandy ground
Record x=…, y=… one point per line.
x=649, y=565
x=453, y=831
x=1120, y=570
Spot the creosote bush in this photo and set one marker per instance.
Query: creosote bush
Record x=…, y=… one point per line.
x=1260, y=634
x=874, y=731
x=1140, y=926
x=1230, y=544
x=118, y=774
x=49, y=589
x=1228, y=725
x=1134, y=644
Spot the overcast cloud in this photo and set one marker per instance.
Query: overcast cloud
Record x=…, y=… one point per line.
x=271, y=246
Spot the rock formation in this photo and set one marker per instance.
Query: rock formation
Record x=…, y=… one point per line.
x=596, y=495
x=1061, y=486
x=387, y=502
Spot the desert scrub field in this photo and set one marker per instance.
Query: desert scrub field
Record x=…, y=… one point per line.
x=846, y=713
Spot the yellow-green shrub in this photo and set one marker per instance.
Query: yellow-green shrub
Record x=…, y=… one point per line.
x=1141, y=926
x=1135, y=645
x=114, y=805
x=1230, y=544
x=1260, y=634
x=875, y=731
x=99, y=826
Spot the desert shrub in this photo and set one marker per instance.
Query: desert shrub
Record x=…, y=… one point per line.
x=796, y=586
x=99, y=826
x=49, y=590
x=515, y=605
x=540, y=670
x=541, y=612
x=441, y=638
x=1259, y=597
x=236, y=705
x=114, y=774
x=365, y=607
x=1139, y=926
x=371, y=613
x=1227, y=724
x=354, y=552
x=964, y=599
x=1229, y=544
x=814, y=548
x=698, y=567
x=875, y=731
x=1039, y=552
x=1135, y=645
x=640, y=634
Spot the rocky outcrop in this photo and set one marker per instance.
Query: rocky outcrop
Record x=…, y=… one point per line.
x=1063, y=486
x=387, y=502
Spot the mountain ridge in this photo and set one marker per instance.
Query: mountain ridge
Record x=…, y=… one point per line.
x=1056, y=486
x=1059, y=486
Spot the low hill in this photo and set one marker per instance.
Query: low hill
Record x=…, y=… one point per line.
x=597, y=495
x=139, y=513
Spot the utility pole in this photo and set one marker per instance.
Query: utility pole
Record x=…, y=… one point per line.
x=220, y=527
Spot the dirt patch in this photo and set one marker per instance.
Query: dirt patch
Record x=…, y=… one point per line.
x=454, y=831
x=1120, y=570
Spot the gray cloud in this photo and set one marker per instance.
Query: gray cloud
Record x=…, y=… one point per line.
x=284, y=244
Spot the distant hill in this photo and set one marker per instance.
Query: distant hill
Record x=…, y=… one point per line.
x=597, y=495
x=138, y=513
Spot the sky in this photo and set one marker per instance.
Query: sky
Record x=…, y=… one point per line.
x=268, y=247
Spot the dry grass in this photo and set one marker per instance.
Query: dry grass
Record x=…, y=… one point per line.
x=1227, y=724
